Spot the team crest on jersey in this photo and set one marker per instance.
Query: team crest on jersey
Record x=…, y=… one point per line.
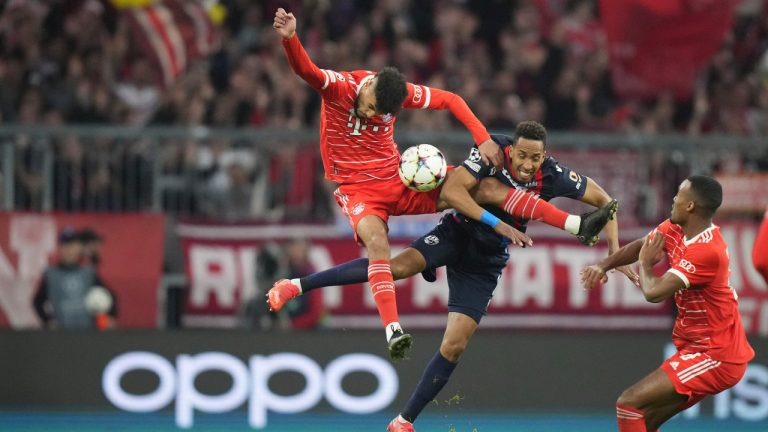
x=386, y=118
x=687, y=266
x=358, y=208
x=674, y=365
x=431, y=240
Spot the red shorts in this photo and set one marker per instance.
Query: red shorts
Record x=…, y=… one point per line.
x=383, y=198
x=697, y=375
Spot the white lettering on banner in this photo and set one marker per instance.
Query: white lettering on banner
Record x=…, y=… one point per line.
x=263, y=399
x=532, y=278
x=747, y=400
x=214, y=271
x=538, y=280
x=247, y=271
x=619, y=291
x=249, y=383
x=385, y=392
x=424, y=293
x=33, y=239
x=188, y=399
x=139, y=360
x=321, y=259
x=575, y=259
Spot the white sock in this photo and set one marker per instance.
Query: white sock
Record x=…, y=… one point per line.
x=401, y=419
x=297, y=282
x=391, y=328
x=572, y=224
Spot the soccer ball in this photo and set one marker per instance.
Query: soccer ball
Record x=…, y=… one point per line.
x=98, y=300
x=422, y=167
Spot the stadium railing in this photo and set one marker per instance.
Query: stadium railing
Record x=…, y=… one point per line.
x=162, y=169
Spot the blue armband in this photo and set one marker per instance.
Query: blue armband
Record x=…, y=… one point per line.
x=489, y=219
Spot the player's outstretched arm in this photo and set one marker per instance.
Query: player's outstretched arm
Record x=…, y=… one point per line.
x=285, y=25
x=596, y=196
x=437, y=99
x=595, y=273
x=455, y=194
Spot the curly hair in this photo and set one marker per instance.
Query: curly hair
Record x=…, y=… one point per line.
x=390, y=91
x=531, y=130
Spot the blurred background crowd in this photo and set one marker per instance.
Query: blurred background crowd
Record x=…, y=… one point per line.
x=75, y=62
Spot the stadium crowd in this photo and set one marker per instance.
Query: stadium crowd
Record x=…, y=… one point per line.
x=74, y=62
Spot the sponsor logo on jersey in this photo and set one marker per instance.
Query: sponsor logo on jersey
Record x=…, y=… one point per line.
x=687, y=266
x=417, y=93
x=431, y=240
x=339, y=76
x=575, y=178
x=358, y=208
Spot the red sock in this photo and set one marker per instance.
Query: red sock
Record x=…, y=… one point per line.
x=522, y=204
x=383, y=289
x=630, y=419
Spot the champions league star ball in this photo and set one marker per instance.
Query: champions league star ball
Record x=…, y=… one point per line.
x=422, y=167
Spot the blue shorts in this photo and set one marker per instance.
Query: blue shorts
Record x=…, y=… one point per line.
x=474, y=268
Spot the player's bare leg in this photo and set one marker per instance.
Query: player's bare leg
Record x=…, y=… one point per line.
x=519, y=203
x=648, y=403
x=458, y=332
x=406, y=264
x=372, y=231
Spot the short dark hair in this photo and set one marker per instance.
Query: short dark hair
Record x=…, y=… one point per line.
x=390, y=91
x=531, y=130
x=708, y=193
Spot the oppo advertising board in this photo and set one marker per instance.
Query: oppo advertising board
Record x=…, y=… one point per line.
x=186, y=374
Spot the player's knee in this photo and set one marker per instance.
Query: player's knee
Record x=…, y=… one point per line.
x=377, y=243
x=627, y=398
x=452, y=350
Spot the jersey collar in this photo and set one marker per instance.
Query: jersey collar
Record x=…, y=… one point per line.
x=696, y=237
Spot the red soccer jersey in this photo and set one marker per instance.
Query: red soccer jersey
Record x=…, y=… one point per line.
x=708, y=311
x=354, y=149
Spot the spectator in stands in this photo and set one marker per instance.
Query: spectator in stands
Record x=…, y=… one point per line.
x=76, y=61
x=70, y=295
x=92, y=243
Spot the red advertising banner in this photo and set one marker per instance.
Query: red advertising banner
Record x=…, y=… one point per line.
x=130, y=265
x=539, y=288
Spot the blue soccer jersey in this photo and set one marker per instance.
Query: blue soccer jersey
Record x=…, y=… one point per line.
x=550, y=181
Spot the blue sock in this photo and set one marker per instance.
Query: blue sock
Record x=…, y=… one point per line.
x=351, y=272
x=436, y=375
